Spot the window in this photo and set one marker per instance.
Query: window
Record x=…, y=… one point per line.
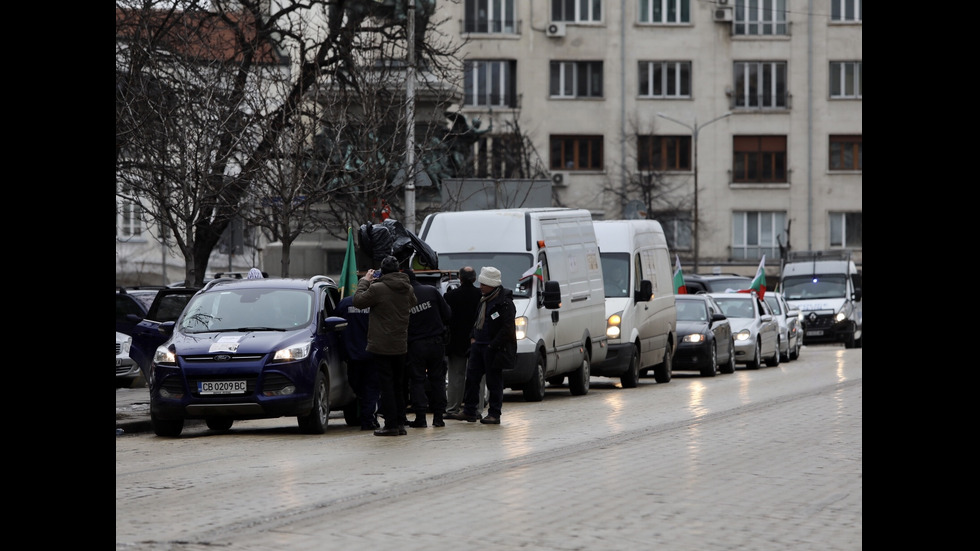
x=490, y=83
x=665, y=79
x=489, y=16
x=677, y=228
x=759, y=159
x=845, y=79
x=576, y=79
x=576, y=11
x=760, y=17
x=576, y=152
x=760, y=84
x=846, y=10
x=663, y=153
x=129, y=217
x=665, y=11
x=757, y=233
x=846, y=153
x=845, y=229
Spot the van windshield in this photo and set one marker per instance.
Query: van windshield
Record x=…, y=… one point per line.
x=616, y=274
x=511, y=266
x=814, y=286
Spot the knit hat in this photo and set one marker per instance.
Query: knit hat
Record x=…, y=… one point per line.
x=389, y=265
x=490, y=276
x=255, y=273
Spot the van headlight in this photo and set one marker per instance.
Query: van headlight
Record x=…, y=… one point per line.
x=293, y=353
x=843, y=313
x=520, y=326
x=613, y=330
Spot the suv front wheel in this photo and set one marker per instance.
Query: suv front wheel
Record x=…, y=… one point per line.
x=316, y=421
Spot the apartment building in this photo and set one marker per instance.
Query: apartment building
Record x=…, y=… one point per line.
x=749, y=109
x=758, y=102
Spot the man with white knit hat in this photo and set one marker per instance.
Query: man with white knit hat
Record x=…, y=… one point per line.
x=493, y=347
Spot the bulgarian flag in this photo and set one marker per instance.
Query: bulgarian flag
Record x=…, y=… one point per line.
x=679, y=287
x=537, y=271
x=759, y=282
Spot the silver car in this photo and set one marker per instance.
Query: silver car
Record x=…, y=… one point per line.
x=127, y=370
x=790, y=338
x=755, y=328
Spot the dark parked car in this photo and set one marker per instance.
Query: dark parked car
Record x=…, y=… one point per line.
x=715, y=283
x=704, y=336
x=253, y=349
x=132, y=301
x=166, y=306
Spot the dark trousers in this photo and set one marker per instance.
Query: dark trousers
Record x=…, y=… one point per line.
x=427, y=363
x=391, y=375
x=363, y=377
x=483, y=362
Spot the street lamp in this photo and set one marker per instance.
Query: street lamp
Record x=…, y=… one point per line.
x=410, y=120
x=694, y=138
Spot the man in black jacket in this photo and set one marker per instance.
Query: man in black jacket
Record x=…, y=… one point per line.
x=493, y=347
x=463, y=301
x=427, y=352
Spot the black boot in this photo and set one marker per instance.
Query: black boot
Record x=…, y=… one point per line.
x=419, y=422
x=437, y=420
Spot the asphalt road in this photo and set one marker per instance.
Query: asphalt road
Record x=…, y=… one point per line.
x=763, y=460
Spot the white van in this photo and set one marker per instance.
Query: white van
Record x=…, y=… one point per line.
x=561, y=323
x=641, y=316
x=825, y=286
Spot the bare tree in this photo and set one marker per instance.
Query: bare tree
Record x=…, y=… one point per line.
x=211, y=99
x=645, y=181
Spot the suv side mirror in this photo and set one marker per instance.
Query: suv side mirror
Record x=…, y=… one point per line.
x=646, y=291
x=551, y=295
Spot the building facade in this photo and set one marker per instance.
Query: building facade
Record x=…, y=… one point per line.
x=759, y=103
x=748, y=110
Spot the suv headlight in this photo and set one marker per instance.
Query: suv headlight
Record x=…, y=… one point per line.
x=520, y=327
x=612, y=325
x=293, y=353
x=163, y=356
x=694, y=338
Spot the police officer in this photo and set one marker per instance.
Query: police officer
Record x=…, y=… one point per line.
x=427, y=325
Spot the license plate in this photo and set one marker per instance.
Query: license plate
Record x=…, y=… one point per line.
x=814, y=333
x=221, y=387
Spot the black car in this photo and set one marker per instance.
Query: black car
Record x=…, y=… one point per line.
x=715, y=283
x=704, y=336
x=166, y=306
x=253, y=349
x=132, y=301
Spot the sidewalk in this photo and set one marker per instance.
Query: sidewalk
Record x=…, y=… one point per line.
x=133, y=410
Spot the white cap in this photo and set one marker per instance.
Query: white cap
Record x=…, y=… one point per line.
x=490, y=276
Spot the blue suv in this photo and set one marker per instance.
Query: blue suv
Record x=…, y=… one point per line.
x=253, y=349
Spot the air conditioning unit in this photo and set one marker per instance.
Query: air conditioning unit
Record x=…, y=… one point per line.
x=724, y=14
x=558, y=179
x=555, y=30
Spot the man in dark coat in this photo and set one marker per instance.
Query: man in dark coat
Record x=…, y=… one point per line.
x=493, y=347
x=390, y=297
x=463, y=301
x=361, y=371
x=427, y=352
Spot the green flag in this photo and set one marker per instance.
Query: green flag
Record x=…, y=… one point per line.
x=348, y=274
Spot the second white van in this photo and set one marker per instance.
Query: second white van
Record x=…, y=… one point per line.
x=550, y=260
x=641, y=317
